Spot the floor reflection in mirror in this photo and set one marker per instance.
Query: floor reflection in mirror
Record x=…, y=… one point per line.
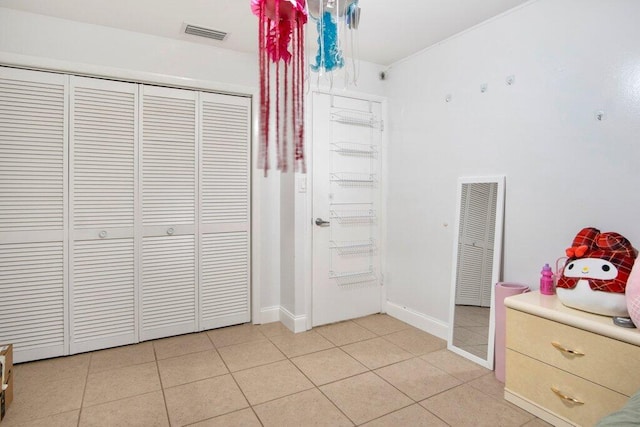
x=471, y=329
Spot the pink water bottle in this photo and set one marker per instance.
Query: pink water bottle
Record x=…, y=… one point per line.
x=546, y=281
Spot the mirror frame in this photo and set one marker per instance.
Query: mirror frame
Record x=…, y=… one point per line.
x=496, y=266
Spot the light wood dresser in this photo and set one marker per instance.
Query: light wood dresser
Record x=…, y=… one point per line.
x=567, y=366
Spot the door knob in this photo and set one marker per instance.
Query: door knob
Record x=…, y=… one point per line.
x=322, y=223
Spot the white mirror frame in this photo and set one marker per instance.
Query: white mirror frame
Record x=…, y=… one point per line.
x=495, y=272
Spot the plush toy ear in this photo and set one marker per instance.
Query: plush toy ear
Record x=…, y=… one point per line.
x=586, y=237
x=615, y=242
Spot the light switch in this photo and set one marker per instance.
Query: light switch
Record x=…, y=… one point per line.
x=302, y=184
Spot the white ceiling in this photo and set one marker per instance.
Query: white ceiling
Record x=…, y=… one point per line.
x=388, y=32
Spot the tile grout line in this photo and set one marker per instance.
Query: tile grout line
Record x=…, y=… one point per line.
x=376, y=335
x=84, y=390
x=415, y=402
x=317, y=387
x=164, y=397
x=236, y=382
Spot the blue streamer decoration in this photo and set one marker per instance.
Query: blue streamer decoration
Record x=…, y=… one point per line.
x=352, y=15
x=329, y=56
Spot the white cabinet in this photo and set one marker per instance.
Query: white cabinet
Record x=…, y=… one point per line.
x=33, y=143
x=124, y=212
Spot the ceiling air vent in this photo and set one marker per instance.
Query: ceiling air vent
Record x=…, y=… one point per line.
x=205, y=32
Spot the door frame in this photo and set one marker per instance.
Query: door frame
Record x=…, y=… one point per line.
x=306, y=199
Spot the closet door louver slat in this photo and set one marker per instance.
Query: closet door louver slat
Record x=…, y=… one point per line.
x=224, y=294
x=225, y=219
x=169, y=293
x=33, y=143
x=169, y=134
x=103, y=187
x=103, y=298
x=225, y=160
x=32, y=133
x=31, y=285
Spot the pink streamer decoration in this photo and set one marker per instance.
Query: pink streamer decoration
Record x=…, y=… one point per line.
x=281, y=39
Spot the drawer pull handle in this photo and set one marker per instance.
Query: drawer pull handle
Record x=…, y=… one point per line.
x=565, y=397
x=566, y=350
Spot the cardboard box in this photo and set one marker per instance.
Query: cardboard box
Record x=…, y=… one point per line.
x=6, y=392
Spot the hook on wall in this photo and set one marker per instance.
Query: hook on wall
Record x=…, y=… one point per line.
x=510, y=80
x=600, y=115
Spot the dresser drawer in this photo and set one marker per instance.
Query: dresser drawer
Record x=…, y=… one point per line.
x=533, y=380
x=608, y=362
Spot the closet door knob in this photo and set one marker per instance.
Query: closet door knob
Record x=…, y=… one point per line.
x=170, y=231
x=102, y=234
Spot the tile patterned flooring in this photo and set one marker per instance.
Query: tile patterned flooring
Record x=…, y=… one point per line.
x=374, y=371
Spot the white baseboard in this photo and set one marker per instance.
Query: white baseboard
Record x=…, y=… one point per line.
x=421, y=321
x=268, y=315
x=294, y=323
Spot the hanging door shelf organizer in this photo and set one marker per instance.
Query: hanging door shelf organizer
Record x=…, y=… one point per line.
x=353, y=180
x=354, y=247
x=354, y=277
x=357, y=118
x=350, y=216
x=354, y=149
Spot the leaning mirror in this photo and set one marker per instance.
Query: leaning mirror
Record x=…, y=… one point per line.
x=477, y=255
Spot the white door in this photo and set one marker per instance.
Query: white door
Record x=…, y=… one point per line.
x=168, y=297
x=347, y=146
x=33, y=204
x=102, y=270
x=224, y=221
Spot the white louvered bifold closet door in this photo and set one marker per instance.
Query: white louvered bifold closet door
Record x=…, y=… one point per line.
x=168, y=178
x=224, y=210
x=103, y=187
x=33, y=163
x=475, y=254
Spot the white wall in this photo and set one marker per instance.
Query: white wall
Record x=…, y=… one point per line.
x=48, y=37
x=564, y=169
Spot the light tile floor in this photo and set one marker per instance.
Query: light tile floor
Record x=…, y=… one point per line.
x=374, y=371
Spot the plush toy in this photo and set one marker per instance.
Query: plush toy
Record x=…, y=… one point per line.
x=595, y=275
